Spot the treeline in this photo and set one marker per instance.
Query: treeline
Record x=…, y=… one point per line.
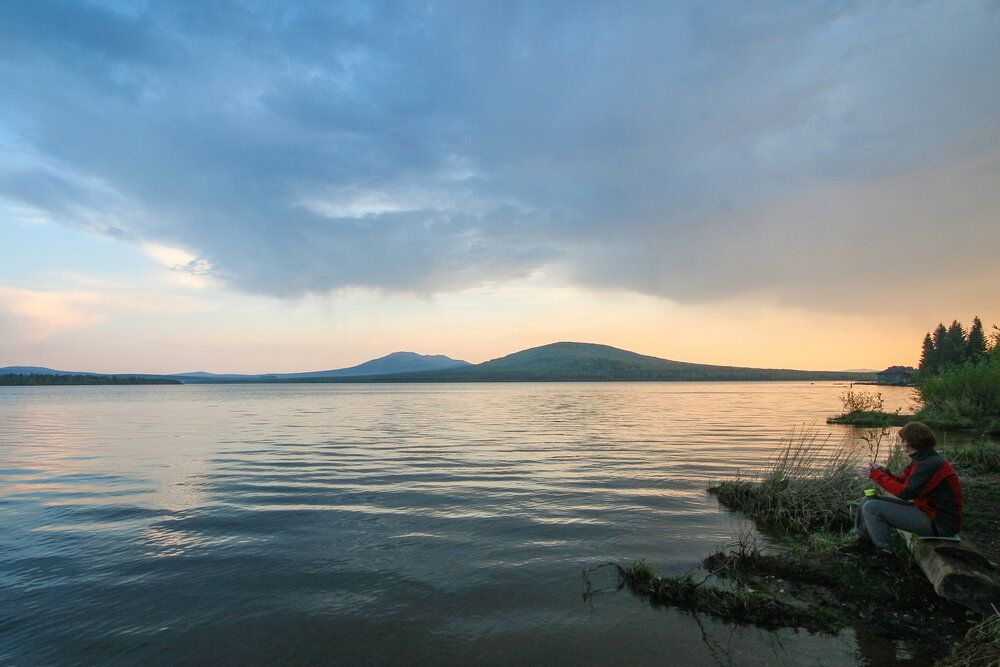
x=19, y=380
x=959, y=377
x=950, y=347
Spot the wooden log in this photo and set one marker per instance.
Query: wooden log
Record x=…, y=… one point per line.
x=958, y=571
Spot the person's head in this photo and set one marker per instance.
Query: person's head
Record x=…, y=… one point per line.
x=917, y=436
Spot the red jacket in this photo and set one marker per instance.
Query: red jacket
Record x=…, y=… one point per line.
x=933, y=486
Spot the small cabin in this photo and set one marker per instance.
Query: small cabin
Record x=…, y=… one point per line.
x=895, y=375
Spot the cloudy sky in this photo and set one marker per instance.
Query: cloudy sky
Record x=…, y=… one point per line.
x=255, y=186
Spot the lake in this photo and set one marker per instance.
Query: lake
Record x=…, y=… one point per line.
x=389, y=524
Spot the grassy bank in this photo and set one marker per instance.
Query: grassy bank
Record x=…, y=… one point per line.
x=871, y=419
x=803, y=500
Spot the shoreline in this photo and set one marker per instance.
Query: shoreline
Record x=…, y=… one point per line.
x=796, y=577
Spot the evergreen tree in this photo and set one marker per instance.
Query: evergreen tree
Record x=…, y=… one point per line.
x=929, y=356
x=939, y=336
x=953, y=349
x=975, y=343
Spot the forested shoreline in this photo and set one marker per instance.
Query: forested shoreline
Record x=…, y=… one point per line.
x=35, y=379
x=957, y=384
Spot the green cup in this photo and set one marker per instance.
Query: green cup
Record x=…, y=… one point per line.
x=870, y=492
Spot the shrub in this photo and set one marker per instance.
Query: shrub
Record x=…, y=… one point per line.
x=861, y=401
x=963, y=397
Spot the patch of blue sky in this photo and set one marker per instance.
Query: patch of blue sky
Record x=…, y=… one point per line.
x=36, y=250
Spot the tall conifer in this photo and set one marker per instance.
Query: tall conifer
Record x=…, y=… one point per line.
x=939, y=336
x=975, y=344
x=929, y=356
x=953, y=350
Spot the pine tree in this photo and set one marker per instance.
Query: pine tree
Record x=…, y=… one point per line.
x=939, y=336
x=929, y=357
x=953, y=349
x=975, y=343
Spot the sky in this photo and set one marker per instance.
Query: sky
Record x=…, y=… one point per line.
x=252, y=186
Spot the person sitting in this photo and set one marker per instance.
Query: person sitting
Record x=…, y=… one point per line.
x=928, y=498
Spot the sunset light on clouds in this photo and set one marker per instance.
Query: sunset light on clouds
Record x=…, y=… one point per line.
x=279, y=187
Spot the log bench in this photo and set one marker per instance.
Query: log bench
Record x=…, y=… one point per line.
x=958, y=570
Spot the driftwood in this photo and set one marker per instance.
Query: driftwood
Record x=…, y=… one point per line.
x=958, y=571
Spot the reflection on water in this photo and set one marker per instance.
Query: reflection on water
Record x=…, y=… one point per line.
x=395, y=524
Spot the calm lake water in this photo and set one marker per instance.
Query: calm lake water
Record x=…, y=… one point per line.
x=388, y=524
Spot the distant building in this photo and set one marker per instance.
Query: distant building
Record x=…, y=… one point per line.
x=897, y=375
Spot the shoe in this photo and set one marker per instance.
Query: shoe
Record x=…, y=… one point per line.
x=861, y=547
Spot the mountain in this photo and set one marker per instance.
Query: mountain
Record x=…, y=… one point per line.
x=557, y=362
x=37, y=370
x=583, y=362
x=395, y=363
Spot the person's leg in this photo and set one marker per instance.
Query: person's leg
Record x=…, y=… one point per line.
x=863, y=545
x=879, y=518
x=859, y=523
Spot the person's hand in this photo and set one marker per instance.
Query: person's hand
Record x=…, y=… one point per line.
x=872, y=467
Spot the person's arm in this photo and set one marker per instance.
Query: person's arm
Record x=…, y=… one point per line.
x=881, y=469
x=888, y=481
x=911, y=485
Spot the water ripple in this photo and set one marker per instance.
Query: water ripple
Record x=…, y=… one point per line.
x=441, y=524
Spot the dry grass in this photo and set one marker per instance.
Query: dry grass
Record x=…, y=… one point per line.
x=810, y=483
x=980, y=648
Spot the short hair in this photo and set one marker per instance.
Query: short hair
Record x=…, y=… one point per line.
x=918, y=435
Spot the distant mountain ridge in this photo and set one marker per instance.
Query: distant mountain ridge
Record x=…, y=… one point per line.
x=396, y=362
x=556, y=362
x=38, y=370
x=591, y=362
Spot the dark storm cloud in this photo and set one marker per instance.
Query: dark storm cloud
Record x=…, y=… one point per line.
x=691, y=150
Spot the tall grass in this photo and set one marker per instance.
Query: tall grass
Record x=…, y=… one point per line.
x=982, y=458
x=810, y=483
